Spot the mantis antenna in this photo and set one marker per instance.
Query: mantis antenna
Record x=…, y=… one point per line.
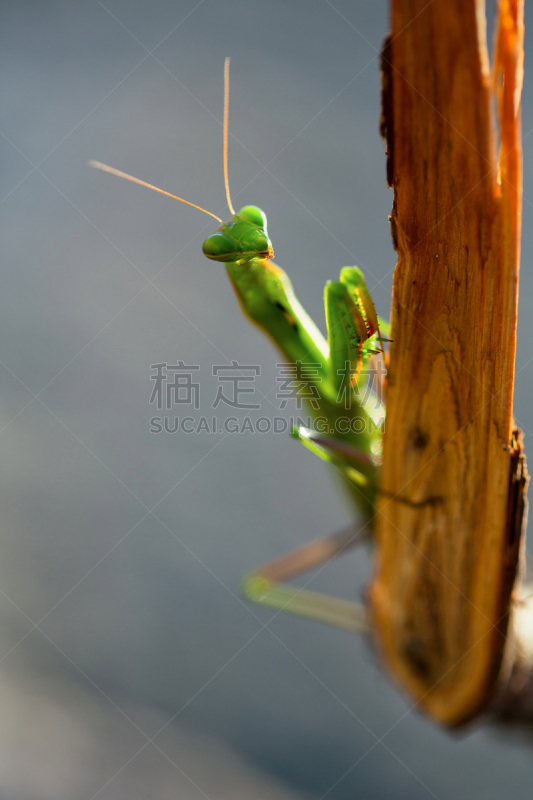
x=119, y=174
x=226, y=114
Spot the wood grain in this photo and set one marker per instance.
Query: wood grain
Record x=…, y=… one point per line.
x=448, y=543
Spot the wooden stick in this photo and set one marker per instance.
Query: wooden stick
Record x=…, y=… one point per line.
x=445, y=572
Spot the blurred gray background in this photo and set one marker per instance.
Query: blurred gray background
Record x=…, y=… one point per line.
x=129, y=666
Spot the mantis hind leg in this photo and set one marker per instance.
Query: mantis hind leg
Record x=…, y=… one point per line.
x=264, y=585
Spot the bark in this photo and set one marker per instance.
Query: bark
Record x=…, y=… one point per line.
x=450, y=523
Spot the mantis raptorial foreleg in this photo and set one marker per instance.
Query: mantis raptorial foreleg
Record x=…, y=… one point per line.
x=338, y=381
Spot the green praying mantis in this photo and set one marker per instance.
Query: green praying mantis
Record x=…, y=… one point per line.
x=336, y=370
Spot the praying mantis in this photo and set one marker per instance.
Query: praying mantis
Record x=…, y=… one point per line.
x=336, y=370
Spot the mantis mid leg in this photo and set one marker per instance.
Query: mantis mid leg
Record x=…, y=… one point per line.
x=264, y=586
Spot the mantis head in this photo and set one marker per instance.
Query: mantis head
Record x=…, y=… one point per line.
x=244, y=238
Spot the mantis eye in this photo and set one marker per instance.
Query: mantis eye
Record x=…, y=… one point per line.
x=254, y=215
x=255, y=241
x=219, y=247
